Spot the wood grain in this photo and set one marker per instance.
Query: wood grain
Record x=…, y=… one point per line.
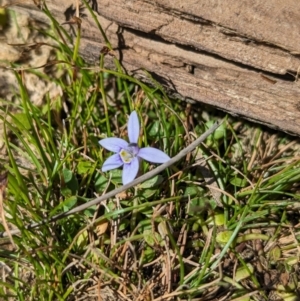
x=240, y=57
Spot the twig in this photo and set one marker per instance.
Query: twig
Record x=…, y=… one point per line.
x=112, y=193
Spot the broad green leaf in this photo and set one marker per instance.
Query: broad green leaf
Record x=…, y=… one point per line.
x=21, y=121
x=116, y=175
x=148, y=255
x=84, y=167
x=69, y=203
x=63, y=205
x=68, y=175
x=193, y=191
x=200, y=204
x=124, y=224
x=224, y=236
x=153, y=131
x=244, y=272
x=219, y=219
x=144, y=225
x=219, y=133
x=71, y=182
x=66, y=192
x=82, y=239
x=151, y=182
x=101, y=182
x=152, y=239
x=239, y=182
x=147, y=193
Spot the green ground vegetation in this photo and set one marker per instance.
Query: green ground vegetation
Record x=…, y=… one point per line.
x=221, y=224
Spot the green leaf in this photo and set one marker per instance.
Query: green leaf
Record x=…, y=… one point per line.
x=144, y=225
x=148, y=255
x=153, y=131
x=71, y=182
x=147, y=193
x=147, y=188
x=66, y=205
x=89, y=212
x=219, y=133
x=66, y=192
x=152, y=239
x=239, y=182
x=219, y=219
x=244, y=272
x=82, y=239
x=224, y=236
x=101, y=182
x=116, y=175
x=69, y=203
x=68, y=175
x=102, y=179
x=124, y=224
x=21, y=121
x=151, y=182
x=200, y=205
x=193, y=191
x=84, y=167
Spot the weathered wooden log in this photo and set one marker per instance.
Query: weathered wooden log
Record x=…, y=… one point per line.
x=240, y=56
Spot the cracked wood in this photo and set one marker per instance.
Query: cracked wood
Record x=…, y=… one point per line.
x=240, y=57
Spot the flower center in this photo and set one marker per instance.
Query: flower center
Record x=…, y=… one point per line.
x=128, y=153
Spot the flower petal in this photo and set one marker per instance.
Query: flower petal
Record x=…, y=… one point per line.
x=112, y=162
x=153, y=155
x=130, y=171
x=113, y=144
x=133, y=127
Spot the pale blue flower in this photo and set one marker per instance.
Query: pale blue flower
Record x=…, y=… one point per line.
x=128, y=154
